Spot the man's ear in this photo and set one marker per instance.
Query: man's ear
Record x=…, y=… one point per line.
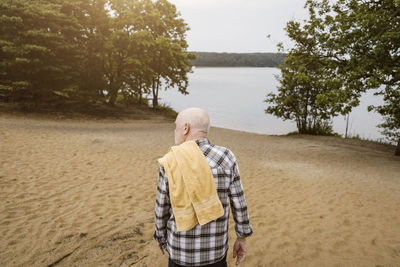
x=186, y=128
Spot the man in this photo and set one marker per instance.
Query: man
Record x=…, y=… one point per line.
x=203, y=245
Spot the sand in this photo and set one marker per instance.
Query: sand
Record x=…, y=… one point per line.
x=82, y=193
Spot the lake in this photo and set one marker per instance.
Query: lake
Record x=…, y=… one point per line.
x=233, y=97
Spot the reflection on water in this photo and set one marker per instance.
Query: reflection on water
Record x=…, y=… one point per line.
x=233, y=97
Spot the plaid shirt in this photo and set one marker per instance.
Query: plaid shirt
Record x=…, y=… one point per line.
x=208, y=243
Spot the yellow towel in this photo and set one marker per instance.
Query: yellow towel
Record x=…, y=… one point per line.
x=192, y=190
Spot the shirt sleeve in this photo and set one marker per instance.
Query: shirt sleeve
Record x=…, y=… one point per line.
x=238, y=205
x=163, y=205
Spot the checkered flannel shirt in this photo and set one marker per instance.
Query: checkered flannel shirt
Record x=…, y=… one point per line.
x=205, y=244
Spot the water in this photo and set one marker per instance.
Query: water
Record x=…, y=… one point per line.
x=233, y=97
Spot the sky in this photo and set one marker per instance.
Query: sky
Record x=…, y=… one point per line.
x=239, y=26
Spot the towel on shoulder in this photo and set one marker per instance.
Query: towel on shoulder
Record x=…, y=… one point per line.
x=193, y=194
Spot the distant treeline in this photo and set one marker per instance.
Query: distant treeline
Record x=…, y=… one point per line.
x=212, y=59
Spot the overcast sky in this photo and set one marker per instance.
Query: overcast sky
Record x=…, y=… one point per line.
x=238, y=25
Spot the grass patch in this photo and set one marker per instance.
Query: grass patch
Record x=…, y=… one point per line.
x=320, y=134
x=380, y=140
x=166, y=111
x=96, y=111
x=293, y=133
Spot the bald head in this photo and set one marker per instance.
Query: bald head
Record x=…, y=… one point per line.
x=191, y=123
x=196, y=117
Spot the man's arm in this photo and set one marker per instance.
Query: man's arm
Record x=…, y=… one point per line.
x=238, y=205
x=163, y=205
x=240, y=215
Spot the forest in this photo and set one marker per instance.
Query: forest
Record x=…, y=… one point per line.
x=100, y=51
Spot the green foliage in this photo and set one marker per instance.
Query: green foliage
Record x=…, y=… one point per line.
x=307, y=87
x=39, y=47
x=390, y=110
x=346, y=47
x=362, y=39
x=293, y=133
x=211, y=59
x=157, y=36
x=92, y=50
x=129, y=99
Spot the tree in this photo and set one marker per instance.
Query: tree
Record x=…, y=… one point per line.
x=39, y=48
x=391, y=112
x=94, y=22
x=357, y=44
x=364, y=41
x=145, y=49
x=309, y=82
x=297, y=94
x=170, y=61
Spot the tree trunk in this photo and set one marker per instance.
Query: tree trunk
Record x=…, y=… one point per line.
x=305, y=114
x=113, y=97
x=397, y=153
x=140, y=91
x=154, y=102
x=139, y=85
x=298, y=124
x=155, y=92
x=140, y=95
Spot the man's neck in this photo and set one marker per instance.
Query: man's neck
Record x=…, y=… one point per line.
x=195, y=137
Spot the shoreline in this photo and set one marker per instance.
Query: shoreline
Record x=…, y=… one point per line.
x=81, y=117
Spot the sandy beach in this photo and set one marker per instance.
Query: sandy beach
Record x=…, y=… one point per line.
x=82, y=193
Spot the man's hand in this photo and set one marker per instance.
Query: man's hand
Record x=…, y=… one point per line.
x=239, y=249
x=161, y=248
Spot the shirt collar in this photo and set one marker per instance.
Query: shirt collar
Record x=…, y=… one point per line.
x=202, y=141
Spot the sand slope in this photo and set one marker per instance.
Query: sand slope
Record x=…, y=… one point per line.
x=82, y=193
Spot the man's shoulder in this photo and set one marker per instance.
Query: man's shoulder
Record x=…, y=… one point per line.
x=226, y=151
x=221, y=156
